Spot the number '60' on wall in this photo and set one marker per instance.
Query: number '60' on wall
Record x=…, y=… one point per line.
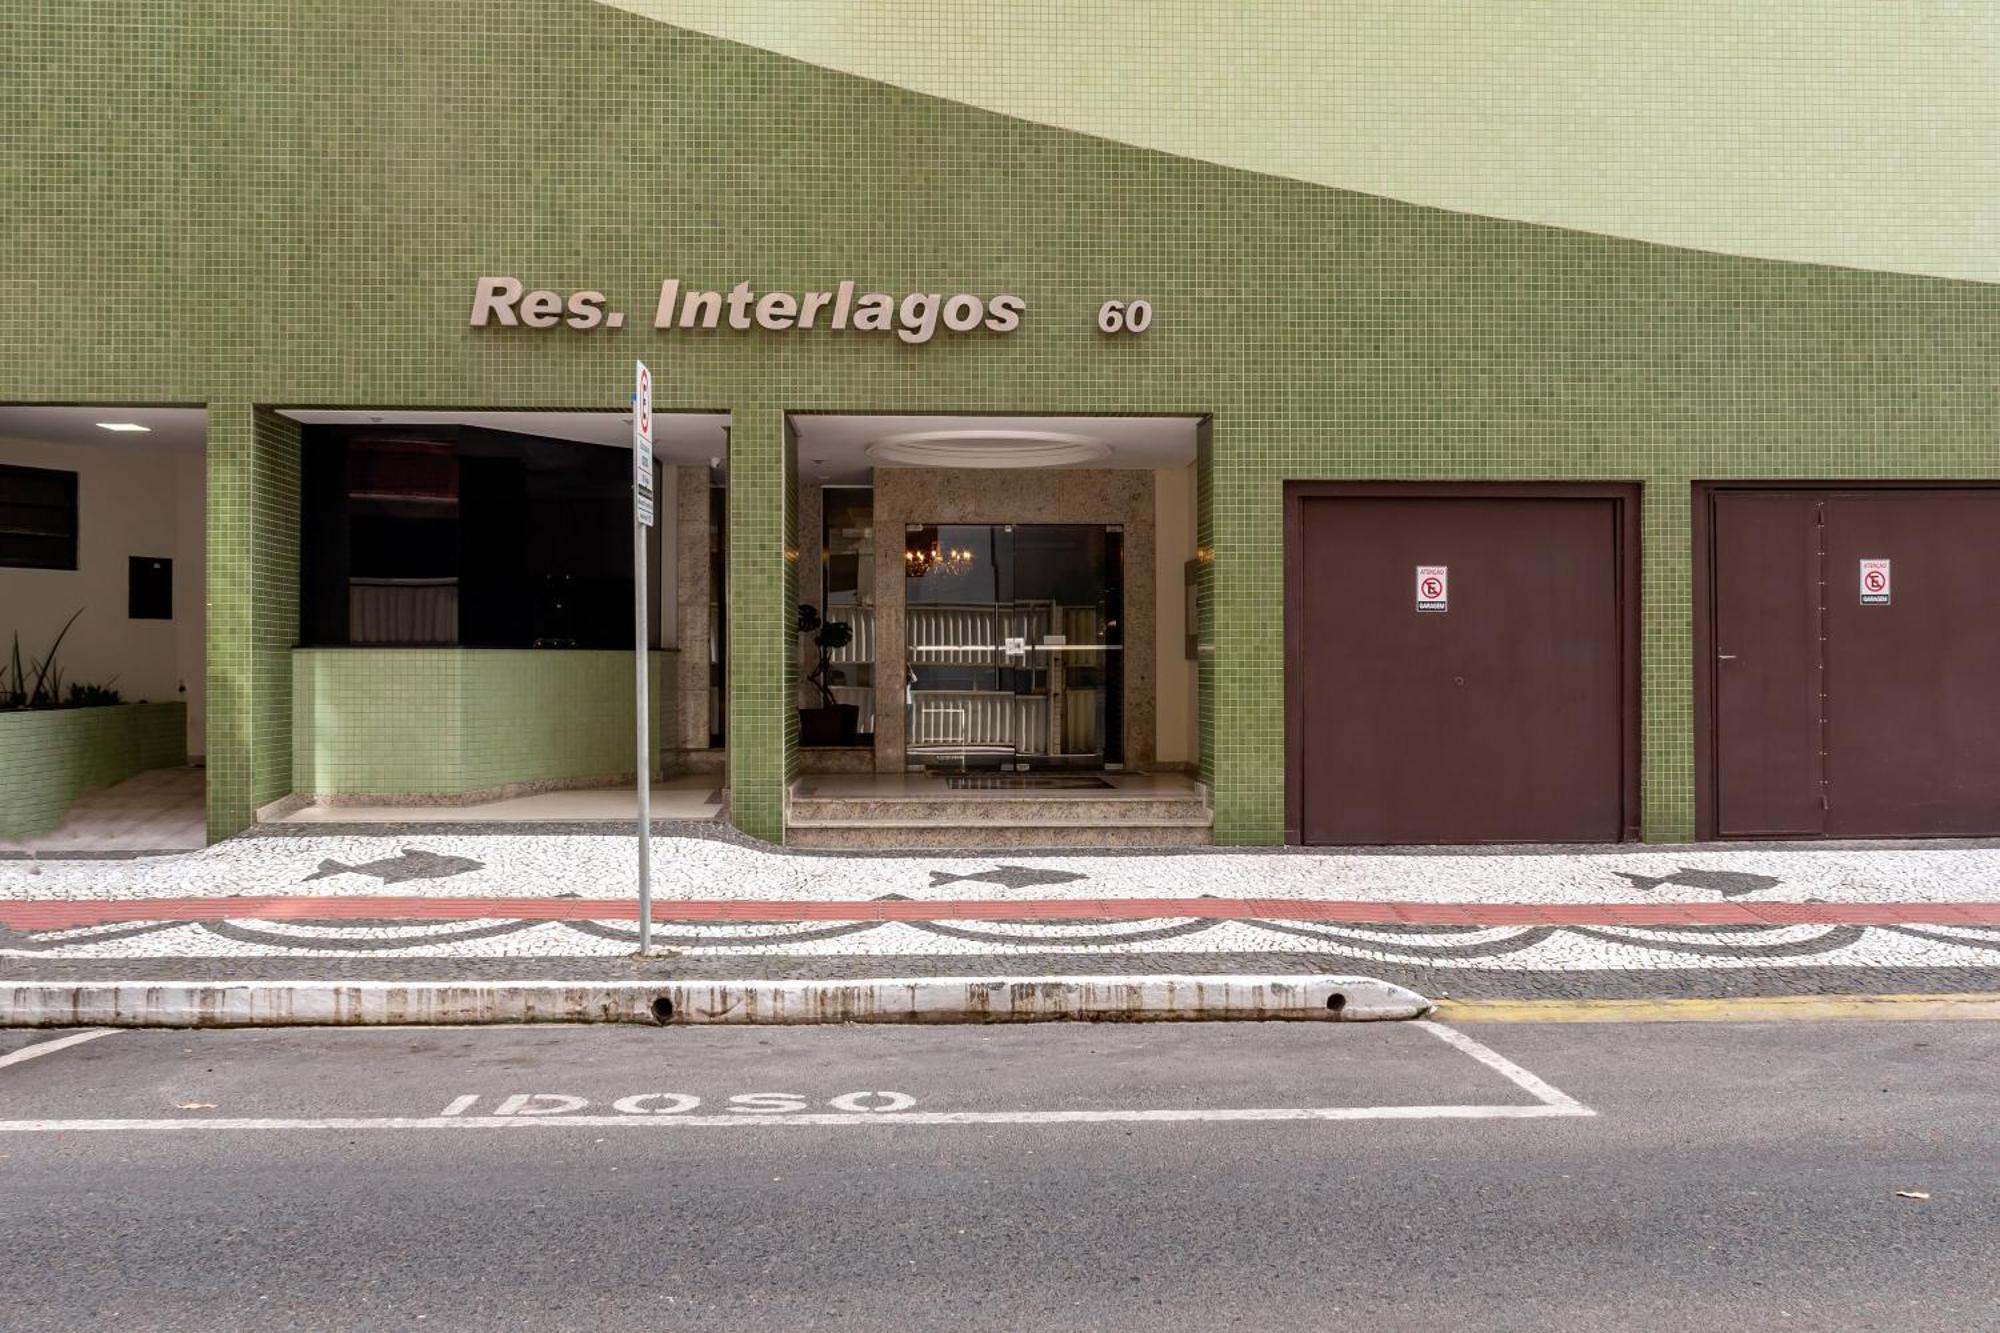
x=1124, y=316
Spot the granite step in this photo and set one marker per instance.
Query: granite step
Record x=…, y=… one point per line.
x=986, y=807
x=994, y=819
x=997, y=835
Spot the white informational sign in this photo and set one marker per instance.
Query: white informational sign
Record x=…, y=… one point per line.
x=1874, y=582
x=1433, y=588
x=642, y=507
x=642, y=428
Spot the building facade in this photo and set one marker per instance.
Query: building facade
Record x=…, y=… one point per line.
x=1487, y=417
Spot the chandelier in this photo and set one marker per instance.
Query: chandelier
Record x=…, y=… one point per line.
x=919, y=559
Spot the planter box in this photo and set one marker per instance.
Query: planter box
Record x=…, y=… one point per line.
x=48, y=757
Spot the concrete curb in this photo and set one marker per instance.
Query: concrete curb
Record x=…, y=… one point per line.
x=208, y=1004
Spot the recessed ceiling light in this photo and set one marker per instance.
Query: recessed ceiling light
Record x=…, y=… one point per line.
x=997, y=448
x=122, y=426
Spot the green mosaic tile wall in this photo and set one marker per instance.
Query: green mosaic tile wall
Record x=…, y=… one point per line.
x=444, y=721
x=253, y=610
x=299, y=198
x=54, y=755
x=762, y=594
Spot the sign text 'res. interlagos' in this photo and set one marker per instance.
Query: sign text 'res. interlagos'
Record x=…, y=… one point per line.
x=915, y=317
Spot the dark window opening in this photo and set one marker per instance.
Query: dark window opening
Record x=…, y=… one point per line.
x=37, y=518
x=466, y=536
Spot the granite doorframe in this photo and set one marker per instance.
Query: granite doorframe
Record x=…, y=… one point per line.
x=1123, y=496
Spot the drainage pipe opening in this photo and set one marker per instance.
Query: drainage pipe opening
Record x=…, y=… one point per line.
x=1336, y=1002
x=663, y=1009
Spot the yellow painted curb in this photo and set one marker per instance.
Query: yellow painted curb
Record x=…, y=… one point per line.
x=1746, y=1009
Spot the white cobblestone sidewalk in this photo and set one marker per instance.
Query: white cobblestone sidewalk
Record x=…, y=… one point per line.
x=533, y=865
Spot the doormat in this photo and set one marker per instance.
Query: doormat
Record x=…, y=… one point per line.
x=1025, y=782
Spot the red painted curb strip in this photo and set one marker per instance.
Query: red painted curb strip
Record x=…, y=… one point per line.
x=56, y=914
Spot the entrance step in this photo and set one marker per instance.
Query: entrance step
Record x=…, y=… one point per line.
x=1097, y=808
x=938, y=835
x=981, y=821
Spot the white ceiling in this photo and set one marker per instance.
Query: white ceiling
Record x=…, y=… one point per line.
x=172, y=429
x=678, y=437
x=834, y=447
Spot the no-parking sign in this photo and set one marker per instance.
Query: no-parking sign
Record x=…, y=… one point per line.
x=1433, y=588
x=1874, y=582
x=642, y=425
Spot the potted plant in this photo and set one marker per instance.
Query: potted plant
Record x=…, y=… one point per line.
x=833, y=722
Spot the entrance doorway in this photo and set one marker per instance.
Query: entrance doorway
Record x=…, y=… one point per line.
x=1847, y=643
x=1004, y=593
x=1012, y=658
x=1461, y=663
x=1015, y=640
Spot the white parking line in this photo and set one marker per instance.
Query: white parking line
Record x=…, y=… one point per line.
x=1550, y=1102
x=42, y=1048
x=1500, y=1064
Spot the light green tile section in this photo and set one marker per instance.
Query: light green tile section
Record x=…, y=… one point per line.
x=1855, y=132
x=50, y=756
x=446, y=721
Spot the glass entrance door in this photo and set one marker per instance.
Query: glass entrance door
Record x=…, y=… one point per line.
x=1015, y=644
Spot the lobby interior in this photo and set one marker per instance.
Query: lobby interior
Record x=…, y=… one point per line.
x=1010, y=658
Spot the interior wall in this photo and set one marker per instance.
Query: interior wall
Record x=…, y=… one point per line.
x=130, y=502
x=691, y=613
x=666, y=523
x=812, y=584
x=1177, y=741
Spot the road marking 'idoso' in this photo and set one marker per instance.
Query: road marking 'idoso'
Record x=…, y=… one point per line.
x=525, y=1111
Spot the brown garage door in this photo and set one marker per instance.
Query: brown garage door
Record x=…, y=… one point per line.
x=1496, y=705
x=1853, y=672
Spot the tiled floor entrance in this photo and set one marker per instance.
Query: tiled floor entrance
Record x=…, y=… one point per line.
x=162, y=810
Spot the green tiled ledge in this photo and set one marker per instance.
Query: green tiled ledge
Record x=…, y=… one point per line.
x=401, y=722
x=49, y=758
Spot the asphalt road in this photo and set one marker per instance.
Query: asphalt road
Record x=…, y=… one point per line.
x=1731, y=1176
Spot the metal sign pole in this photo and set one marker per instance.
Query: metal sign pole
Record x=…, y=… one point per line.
x=642, y=518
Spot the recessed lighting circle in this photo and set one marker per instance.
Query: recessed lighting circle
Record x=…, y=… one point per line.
x=989, y=448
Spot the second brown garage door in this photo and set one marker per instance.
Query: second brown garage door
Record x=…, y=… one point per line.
x=1852, y=675
x=1460, y=664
